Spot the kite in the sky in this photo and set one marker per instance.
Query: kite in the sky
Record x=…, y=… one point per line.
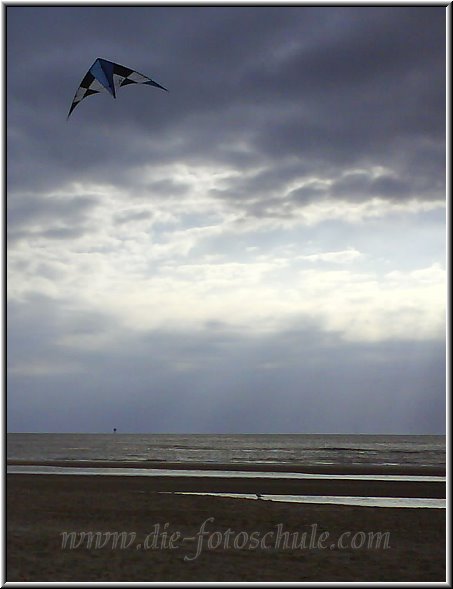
x=106, y=76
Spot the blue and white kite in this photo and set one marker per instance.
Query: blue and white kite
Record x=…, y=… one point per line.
x=106, y=76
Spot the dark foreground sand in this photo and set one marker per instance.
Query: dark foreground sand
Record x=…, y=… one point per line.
x=245, y=540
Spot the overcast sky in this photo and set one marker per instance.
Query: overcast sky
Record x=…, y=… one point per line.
x=261, y=249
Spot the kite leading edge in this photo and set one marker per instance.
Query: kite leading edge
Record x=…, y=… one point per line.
x=106, y=76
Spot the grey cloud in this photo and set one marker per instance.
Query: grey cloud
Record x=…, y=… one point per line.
x=167, y=187
x=289, y=81
x=360, y=186
x=309, y=193
x=222, y=381
x=262, y=185
x=266, y=195
x=390, y=186
x=68, y=217
x=131, y=216
x=24, y=208
x=62, y=233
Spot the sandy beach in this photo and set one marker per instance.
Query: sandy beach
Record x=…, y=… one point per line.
x=141, y=530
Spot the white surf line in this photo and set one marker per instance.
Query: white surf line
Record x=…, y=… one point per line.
x=406, y=502
x=80, y=470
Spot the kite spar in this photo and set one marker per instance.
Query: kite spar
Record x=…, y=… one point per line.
x=106, y=76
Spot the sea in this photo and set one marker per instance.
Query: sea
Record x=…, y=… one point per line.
x=308, y=449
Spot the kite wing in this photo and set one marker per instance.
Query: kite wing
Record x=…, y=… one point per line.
x=106, y=76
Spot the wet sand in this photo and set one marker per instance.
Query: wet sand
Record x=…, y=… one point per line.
x=245, y=540
x=263, y=486
x=392, y=469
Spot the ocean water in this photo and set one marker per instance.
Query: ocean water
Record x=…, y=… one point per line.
x=308, y=449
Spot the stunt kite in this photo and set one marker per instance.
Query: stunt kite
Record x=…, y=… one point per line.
x=107, y=76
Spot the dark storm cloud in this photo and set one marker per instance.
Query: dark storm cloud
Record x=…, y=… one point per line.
x=343, y=76
x=327, y=86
